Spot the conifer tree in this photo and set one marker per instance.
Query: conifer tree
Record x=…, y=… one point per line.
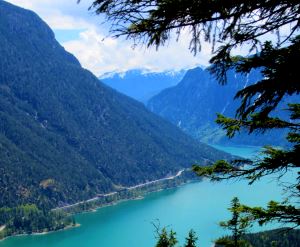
x=191, y=239
x=166, y=239
x=238, y=225
x=228, y=25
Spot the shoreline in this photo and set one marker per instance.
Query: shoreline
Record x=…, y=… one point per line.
x=139, y=197
x=93, y=211
x=142, y=195
x=113, y=203
x=40, y=233
x=178, y=174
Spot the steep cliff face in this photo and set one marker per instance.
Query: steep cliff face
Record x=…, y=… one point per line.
x=63, y=135
x=193, y=104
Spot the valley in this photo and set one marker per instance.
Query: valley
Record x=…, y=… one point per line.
x=104, y=142
x=129, y=223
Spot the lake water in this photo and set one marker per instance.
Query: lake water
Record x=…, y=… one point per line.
x=129, y=224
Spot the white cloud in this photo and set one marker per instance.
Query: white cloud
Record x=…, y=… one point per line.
x=108, y=55
x=60, y=14
x=100, y=54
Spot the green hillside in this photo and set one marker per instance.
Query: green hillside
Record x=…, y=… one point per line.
x=193, y=105
x=281, y=237
x=64, y=136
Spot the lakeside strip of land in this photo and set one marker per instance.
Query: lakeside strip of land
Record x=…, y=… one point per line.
x=179, y=173
x=102, y=200
x=37, y=233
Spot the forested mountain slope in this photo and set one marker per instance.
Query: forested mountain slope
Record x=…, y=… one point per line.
x=64, y=136
x=282, y=237
x=193, y=104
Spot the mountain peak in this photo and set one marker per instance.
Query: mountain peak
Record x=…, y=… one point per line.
x=59, y=123
x=194, y=102
x=142, y=84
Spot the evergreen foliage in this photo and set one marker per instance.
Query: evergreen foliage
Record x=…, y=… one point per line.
x=274, y=238
x=191, y=239
x=29, y=219
x=64, y=136
x=228, y=25
x=166, y=239
x=193, y=103
x=225, y=24
x=283, y=237
x=259, y=100
x=237, y=225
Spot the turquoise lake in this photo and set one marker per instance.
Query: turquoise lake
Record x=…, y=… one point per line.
x=198, y=205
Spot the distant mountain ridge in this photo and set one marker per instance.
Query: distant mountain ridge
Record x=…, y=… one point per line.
x=65, y=136
x=142, y=84
x=193, y=103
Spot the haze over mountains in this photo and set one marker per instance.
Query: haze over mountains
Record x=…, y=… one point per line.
x=65, y=136
x=193, y=104
x=142, y=85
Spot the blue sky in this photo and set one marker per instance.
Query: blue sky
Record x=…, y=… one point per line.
x=83, y=33
x=63, y=36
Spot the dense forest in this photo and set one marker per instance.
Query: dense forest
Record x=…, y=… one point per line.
x=193, y=105
x=282, y=237
x=29, y=219
x=66, y=137
x=275, y=238
x=257, y=27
